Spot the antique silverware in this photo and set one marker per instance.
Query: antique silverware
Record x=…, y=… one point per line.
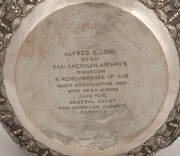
x=90, y=77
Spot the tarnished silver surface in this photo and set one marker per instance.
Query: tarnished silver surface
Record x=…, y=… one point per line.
x=125, y=32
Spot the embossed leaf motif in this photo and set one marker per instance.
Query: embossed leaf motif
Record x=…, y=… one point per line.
x=177, y=131
x=2, y=56
x=16, y=121
x=177, y=43
x=178, y=26
x=2, y=108
x=137, y=150
x=5, y=40
x=40, y=145
x=162, y=15
x=172, y=115
x=178, y=108
x=8, y=107
x=2, y=11
x=2, y=90
x=178, y=115
x=21, y=3
x=1, y=41
x=160, y=3
x=168, y=9
x=161, y=130
x=177, y=3
x=27, y=9
x=28, y=135
x=13, y=11
x=173, y=31
x=23, y=138
x=149, y=3
x=24, y=8
x=150, y=141
x=167, y=133
x=15, y=23
x=18, y=9
x=14, y=138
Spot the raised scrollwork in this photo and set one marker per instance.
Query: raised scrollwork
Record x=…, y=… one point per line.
x=12, y=13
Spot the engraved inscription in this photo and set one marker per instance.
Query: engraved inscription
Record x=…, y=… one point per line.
x=94, y=87
x=168, y=11
x=89, y=74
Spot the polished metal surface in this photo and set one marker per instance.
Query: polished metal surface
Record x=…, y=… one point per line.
x=92, y=77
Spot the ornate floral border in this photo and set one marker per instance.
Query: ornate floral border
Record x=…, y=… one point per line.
x=11, y=14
